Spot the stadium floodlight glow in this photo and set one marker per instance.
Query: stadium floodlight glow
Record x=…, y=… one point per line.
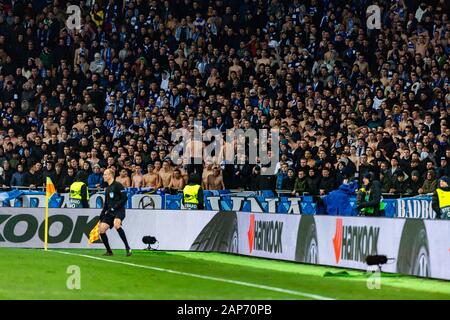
x=149, y=240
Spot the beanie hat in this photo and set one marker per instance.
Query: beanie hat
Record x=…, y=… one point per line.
x=445, y=179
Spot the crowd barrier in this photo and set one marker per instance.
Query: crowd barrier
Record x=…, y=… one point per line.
x=247, y=201
x=418, y=247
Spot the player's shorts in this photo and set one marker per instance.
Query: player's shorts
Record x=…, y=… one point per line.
x=109, y=218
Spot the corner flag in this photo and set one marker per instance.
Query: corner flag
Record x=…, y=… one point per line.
x=49, y=191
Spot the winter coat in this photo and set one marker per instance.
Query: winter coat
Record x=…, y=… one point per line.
x=337, y=202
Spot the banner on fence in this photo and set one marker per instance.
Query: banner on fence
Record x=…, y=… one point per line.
x=148, y=199
x=419, y=208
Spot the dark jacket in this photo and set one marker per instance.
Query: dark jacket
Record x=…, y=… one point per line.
x=58, y=181
x=8, y=176
x=300, y=186
x=36, y=179
x=414, y=187
x=312, y=185
x=374, y=198
x=115, y=199
x=442, y=171
x=3, y=182
x=265, y=182
x=68, y=180
x=288, y=183
x=343, y=174
x=388, y=145
x=228, y=174
x=401, y=187
x=48, y=173
x=243, y=179
x=328, y=184
x=387, y=182
x=19, y=179
x=363, y=170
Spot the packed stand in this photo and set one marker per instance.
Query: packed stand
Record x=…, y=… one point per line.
x=347, y=100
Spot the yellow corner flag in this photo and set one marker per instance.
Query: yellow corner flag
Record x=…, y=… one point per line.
x=49, y=191
x=94, y=234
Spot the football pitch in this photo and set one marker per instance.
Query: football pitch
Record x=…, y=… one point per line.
x=39, y=274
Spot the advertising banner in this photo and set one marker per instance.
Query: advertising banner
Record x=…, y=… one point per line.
x=428, y=245
x=418, y=208
x=268, y=235
x=346, y=242
x=69, y=228
x=414, y=246
x=146, y=201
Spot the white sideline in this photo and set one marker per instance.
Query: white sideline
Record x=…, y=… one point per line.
x=242, y=283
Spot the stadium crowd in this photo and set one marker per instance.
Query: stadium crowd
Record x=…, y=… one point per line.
x=347, y=100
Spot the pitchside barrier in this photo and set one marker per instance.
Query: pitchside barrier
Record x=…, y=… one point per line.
x=418, y=247
x=224, y=200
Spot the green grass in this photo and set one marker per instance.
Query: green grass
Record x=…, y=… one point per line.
x=36, y=274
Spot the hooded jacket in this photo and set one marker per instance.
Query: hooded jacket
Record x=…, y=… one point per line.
x=337, y=202
x=414, y=186
x=429, y=185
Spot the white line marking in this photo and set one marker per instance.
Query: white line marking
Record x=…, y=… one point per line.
x=242, y=283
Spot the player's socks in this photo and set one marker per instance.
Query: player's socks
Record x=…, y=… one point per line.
x=105, y=242
x=123, y=237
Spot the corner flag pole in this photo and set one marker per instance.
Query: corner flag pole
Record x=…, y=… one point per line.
x=46, y=220
x=49, y=191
